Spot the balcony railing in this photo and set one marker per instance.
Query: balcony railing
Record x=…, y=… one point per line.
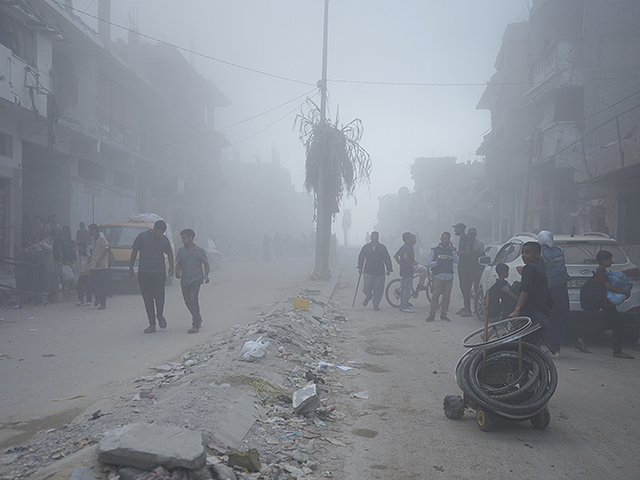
x=558, y=66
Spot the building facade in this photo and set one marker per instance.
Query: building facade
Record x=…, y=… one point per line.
x=94, y=130
x=568, y=85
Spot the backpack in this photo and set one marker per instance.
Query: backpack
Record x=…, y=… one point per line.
x=590, y=295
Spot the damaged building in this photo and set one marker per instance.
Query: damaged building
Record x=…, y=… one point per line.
x=562, y=153
x=91, y=129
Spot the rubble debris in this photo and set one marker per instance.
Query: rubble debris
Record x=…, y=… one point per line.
x=306, y=399
x=131, y=473
x=249, y=459
x=312, y=377
x=81, y=473
x=147, y=446
x=222, y=472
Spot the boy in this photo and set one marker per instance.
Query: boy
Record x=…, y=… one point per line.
x=84, y=270
x=405, y=257
x=610, y=319
x=189, y=262
x=534, y=292
x=501, y=299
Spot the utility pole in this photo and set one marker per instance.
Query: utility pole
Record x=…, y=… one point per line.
x=323, y=224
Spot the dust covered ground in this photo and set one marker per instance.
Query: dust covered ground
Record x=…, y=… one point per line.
x=381, y=416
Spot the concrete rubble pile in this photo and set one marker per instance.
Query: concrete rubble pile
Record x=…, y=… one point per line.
x=274, y=417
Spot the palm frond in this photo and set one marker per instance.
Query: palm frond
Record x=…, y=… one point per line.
x=337, y=150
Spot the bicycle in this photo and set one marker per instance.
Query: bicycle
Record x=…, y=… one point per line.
x=392, y=291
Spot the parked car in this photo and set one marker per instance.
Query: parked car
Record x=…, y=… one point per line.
x=580, y=258
x=121, y=236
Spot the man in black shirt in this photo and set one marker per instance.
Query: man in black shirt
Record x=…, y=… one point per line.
x=372, y=261
x=534, y=292
x=152, y=271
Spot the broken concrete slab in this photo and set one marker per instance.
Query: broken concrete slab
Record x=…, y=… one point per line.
x=306, y=399
x=147, y=446
x=237, y=422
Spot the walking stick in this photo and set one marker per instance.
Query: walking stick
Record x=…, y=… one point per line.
x=356, y=294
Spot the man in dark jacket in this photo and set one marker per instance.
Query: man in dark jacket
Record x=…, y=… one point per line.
x=372, y=261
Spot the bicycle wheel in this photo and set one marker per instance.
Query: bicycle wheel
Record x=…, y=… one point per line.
x=429, y=290
x=502, y=331
x=392, y=292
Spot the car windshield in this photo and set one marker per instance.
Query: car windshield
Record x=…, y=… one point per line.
x=120, y=235
x=585, y=253
x=508, y=253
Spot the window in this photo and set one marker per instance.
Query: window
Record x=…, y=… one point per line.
x=584, y=253
x=508, y=253
x=90, y=170
x=6, y=145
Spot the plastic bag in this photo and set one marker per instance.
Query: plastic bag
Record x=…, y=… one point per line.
x=252, y=350
x=67, y=277
x=619, y=280
x=144, y=218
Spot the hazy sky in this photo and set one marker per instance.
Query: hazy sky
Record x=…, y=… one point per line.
x=445, y=45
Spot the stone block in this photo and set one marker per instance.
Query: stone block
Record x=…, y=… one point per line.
x=306, y=399
x=147, y=446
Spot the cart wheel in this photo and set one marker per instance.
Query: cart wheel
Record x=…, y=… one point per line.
x=485, y=420
x=542, y=419
x=453, y=406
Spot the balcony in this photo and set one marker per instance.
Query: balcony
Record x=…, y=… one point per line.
x=557, y=67
x=21, y=84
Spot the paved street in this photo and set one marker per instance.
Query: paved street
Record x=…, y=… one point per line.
x=408, y=368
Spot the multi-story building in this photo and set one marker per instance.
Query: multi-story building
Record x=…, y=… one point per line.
x=577, y=119
x=95, y=130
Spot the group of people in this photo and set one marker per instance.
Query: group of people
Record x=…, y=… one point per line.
x=541, y=294
x=88, y=259
x=374, y=257
x=191, y=267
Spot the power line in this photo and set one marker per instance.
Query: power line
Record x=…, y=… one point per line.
x=270, y=125
x=187, y=50
x=267, y=111
x=453, y=84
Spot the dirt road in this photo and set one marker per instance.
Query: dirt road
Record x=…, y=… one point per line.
x=60, y=351
x=402, y=432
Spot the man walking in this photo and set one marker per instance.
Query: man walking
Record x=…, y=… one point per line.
x=99, y=269
x=466, y=269
x=152, y=272
x=405, y=257
x=372, y=261
x=189, y=261
x=441, y=261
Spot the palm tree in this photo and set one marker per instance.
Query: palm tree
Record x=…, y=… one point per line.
x=335, y=164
